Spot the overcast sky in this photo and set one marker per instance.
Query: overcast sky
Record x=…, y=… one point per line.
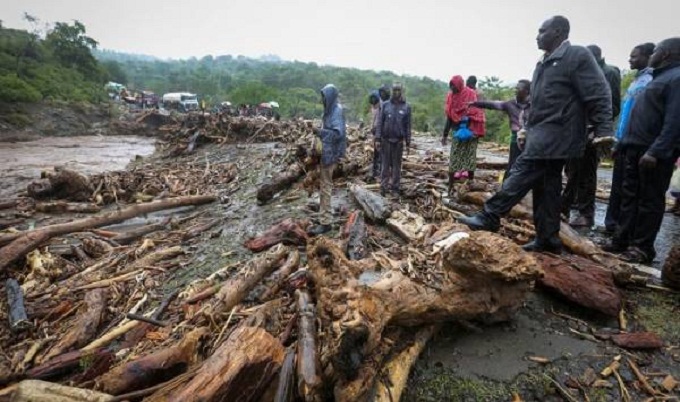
x=417, y=37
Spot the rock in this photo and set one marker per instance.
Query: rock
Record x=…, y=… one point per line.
x=638, y=340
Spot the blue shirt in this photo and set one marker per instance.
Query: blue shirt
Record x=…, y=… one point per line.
x=642, y=78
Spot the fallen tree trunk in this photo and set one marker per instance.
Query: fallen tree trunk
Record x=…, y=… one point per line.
x=482, y=277
x=64, y=207
x=309, y=382
x=85, y=328
x=582, y=282
x=41, y=391
x=66, y=363
x=288, y=267
x=132, y=235
x=355, y=231
x=288, y=231
x=377, y=208
x=285, y=386
x=281, y=182
x=25, y=242
x=239, y=370
x=154, y=368
x=18, y=319
x=7, y=204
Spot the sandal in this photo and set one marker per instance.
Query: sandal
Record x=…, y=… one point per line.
x=637, y=255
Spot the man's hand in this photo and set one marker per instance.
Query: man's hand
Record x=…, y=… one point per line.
x=647, y=162
x=408, y=147
x=376, y=144
x=521, y=139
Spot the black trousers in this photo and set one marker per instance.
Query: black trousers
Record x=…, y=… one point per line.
x=543, y=177
x=376, y=163
x=581, y=183
x=514, y=154
x=611, y=220
x=643, y=199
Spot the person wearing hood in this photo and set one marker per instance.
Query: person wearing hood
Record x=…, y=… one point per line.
x=393, y=131
x=567, y=88
x=334, y=143
x=460, y=114
x=582, y=171
x=384, y=92
x=374, y=101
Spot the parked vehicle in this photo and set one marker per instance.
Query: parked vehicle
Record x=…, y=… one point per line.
x=182, y=101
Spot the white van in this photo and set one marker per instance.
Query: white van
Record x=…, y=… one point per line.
x=182, y=101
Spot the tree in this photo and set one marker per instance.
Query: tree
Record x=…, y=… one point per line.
x=71, y=47
x=114, y=72
x=497, y=127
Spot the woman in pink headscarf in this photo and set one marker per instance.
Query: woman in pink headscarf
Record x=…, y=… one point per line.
x=463, y=157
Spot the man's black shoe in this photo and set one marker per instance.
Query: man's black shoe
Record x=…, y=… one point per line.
x=553, y=246
x=479, y=222
x=318, y=229
x=614, y=247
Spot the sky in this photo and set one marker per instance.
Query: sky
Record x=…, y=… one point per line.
x=430, y=38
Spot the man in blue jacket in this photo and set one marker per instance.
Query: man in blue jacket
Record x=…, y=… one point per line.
x=393, y=131
x=649, y=148
x=333, y=137
x=567, y=87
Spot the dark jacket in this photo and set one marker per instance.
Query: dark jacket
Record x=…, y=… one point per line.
x=613, y=76
x=333, y=131
x=567, y=86
x=655, y=118
x=394, y=121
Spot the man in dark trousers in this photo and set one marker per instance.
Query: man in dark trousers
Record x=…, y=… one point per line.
x=517, y=110
x=649, y=148
x=582, y=172
x=639, y=60
x=392, y=133
x=567, y=86
x=374, y=101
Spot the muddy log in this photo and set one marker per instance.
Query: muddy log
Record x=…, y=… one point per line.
x=355, y=232
x=285, y=387
x=309, y=382
x=638, y=340
x=281, y=182
x=64, y=207
x=377, y=208
x=134, y=234
x=281, y=275
x=24, y=242
x=61, y=184
x=288, y=231
x=18, y=319
x=66, y=363
x=85, y=327
x=485, y=277
x=7, y=204
x=154, y=368
x=239, y=370
x=41, y=391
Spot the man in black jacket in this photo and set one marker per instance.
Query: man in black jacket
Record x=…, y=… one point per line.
x=393, y=131
x=582, y=172
x=567, y=86
x=649, y=149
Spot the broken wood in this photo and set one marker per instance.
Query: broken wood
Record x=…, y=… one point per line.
x=377, y=208
x=154, y=368
x=61, y=184
x=288, y=231
x=66, y=207
x=280, y=182
x=24, y=242
x=355, y=232
x=285, y=386
x=638, y=340
x=7, y=204
x=408, y=225
x=85, y=328
x=582, y=282
x=134, y=234
x=41, y=391
x=240, y=369
x=147, y=320
x=65, y=363
x=281, y=275
x=309, y=382
x=18, y=319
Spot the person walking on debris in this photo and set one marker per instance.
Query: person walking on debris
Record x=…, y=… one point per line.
x=393, y=131
x=518, y=111
x=567, y=83
x=374, y=101
x=582, y=171
x=384, y=92
x=649, y=148
x=334, y=143
x=471, y=83
x=467, y=124
x=639, y=59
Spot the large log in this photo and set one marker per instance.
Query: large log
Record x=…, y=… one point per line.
x=18, y=319
x=281, y=275
x=309, y=381
x=285, y=387
x=280, y=182
x=239, y=370
x=24, y=242
x=41, y=391
x=65, y=363
x=355, y=231
x=581, y=281
x=482, y=277
x=134, y=234
x=154, y=368
x=64, y=207
x=62, y=184
x=85, y=327
x=288, y=231
x=377, y=208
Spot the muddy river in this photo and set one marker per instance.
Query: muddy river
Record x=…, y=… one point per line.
x=22, y=162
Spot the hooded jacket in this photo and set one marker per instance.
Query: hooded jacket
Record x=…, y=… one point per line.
x=613, y=76
x=333, y=130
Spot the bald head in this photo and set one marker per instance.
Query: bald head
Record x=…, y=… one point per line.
x=552, y=33
x=666, y=52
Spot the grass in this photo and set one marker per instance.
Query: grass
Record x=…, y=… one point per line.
x=655, y=311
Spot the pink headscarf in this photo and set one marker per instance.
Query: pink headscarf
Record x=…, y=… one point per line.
x=457, y=106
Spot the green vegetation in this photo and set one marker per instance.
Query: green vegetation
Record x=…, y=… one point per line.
x=656, y=310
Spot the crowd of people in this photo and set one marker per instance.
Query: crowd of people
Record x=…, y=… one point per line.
x=563, y=121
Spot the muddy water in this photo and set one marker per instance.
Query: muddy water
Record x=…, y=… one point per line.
x=22, y=162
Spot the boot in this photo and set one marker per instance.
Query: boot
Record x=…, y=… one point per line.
x=554, y=246
x=480, y=221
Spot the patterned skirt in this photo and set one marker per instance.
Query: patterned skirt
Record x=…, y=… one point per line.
x=463, y=155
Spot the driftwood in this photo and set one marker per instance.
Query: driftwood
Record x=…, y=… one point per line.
x=377, y=208
x=8, y=223
x=281, y=182
x=285, y=386
x=484, y=277
x=64, y=207
x=65, y=364
x=407, y=225
x=309, y=382
x=18, y=319
x=24, y=242
x=137, y=333
x=85, y=328
x=41, y=391
x=154, y=368
x=355, y=231
x=134, y=234
x=582, y=282
x=7, y=204
x=281, y=275
x=239, y=370
x=638, y=340
x=61, y=184
x=288, y=231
